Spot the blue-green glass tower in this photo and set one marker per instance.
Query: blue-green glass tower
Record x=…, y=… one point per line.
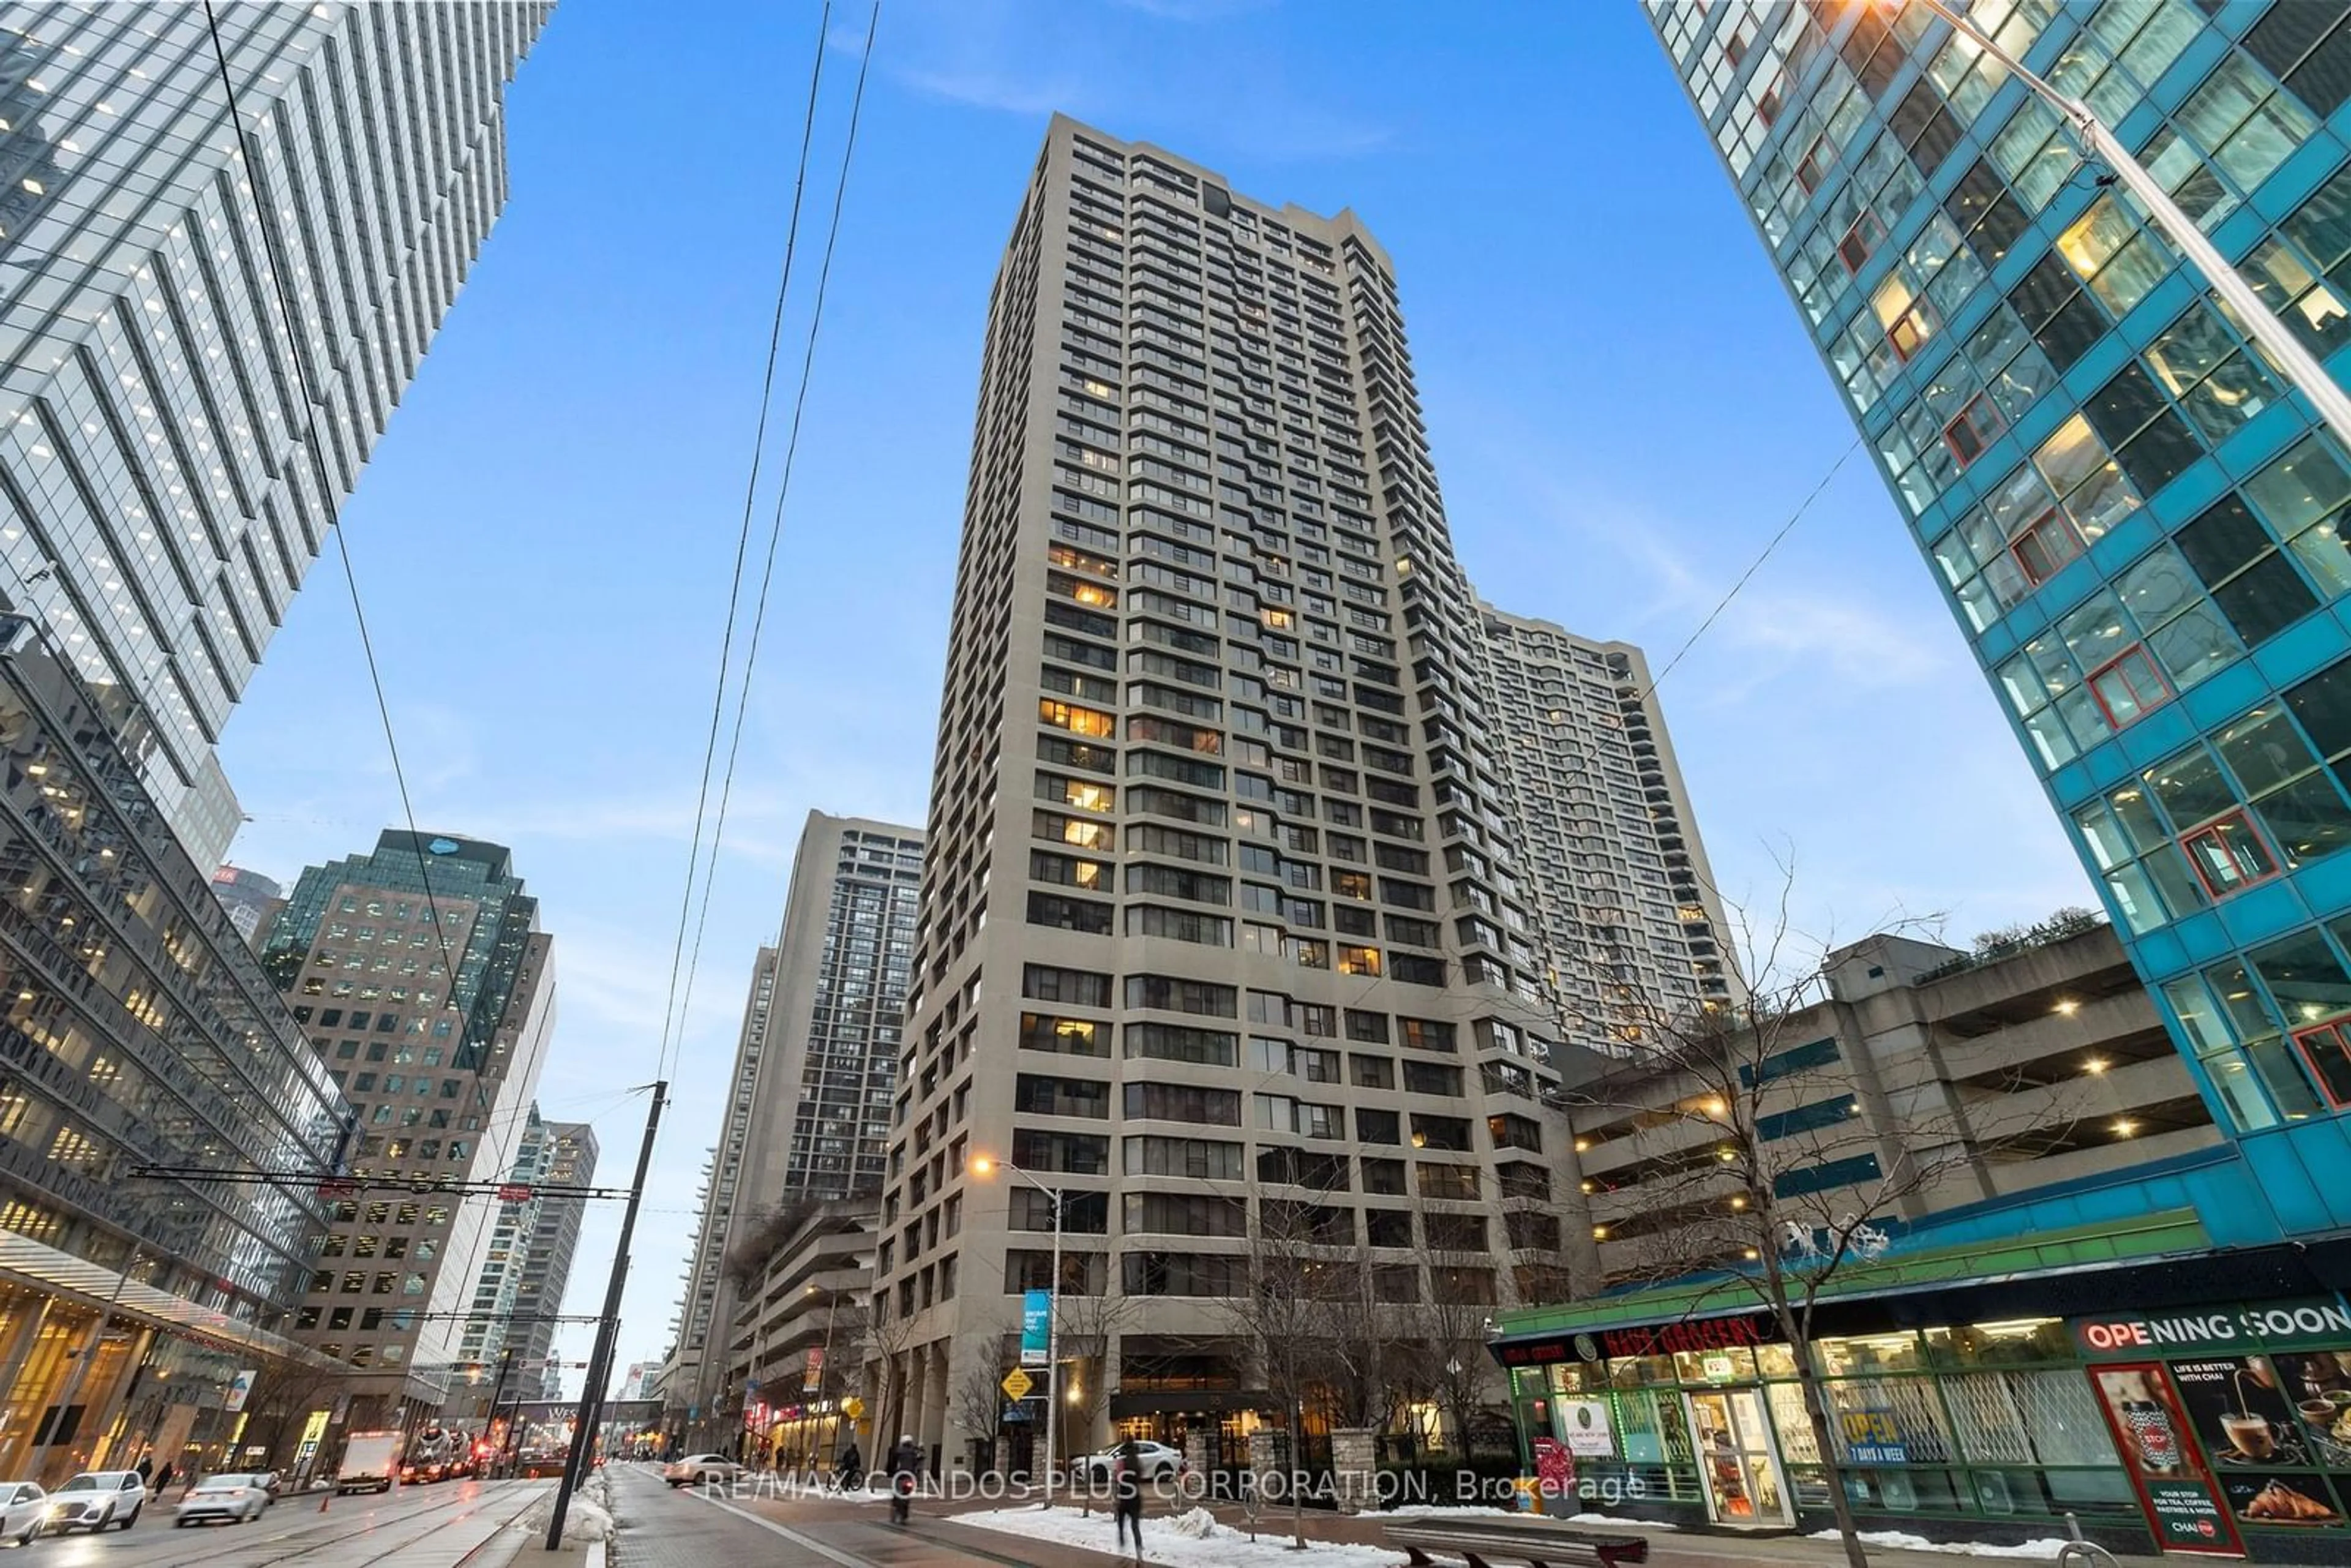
x=2144, y=532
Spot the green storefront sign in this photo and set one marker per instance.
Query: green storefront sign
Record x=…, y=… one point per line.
x=2272, y=1326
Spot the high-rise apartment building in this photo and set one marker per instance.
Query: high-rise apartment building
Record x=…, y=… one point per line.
x=1617, y=875
x=419, y=974
x=554, y=1241
x=843, y=963
x=141, y=1037
x=160, y=494
x=2138, y=527
x=692, y=1371
x=487, y=1335
x=808, y=1116
x=1221, y=930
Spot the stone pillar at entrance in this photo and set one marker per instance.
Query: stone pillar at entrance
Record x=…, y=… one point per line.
x=1354, y=1464
x=904, y=1419
x=931, y=1424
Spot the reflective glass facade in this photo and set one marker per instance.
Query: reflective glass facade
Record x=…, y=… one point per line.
x=159, y=496
x=440, y=1074
x=2141, y=532
x=139, y=1029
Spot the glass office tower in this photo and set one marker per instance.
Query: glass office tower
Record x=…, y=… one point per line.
x=2140, y=530
x=164, y=483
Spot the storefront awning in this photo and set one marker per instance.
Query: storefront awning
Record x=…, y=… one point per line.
x=94, y=1287
x=2154, y=1260
x=1188, y=1401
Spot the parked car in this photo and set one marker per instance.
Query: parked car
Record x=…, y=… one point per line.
x=233, y=1498
x=96, y=1499
x=1159, y=1462
x=23, y=1510
x=702, y=1469
x=271, y=1482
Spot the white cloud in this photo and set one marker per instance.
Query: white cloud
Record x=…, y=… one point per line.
x=1209, y=89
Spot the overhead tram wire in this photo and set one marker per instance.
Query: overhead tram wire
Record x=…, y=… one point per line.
x=776, y=528
x=672, y=1022
x=1752, y=567
x=256, y=173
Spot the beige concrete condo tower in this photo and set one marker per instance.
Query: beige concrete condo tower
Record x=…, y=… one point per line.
x=1221, y=937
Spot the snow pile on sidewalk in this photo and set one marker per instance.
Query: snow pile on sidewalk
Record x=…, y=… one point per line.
x=2042, y=1551
x=589, y=1517
x=1439, y=1511
x=1172, y=1541
x=1611, y=1519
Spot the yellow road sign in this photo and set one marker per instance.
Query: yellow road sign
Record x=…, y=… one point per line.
x=1016, y=1385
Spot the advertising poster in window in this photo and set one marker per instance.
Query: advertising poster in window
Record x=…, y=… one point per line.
x=2318, y=1385
x=2151, y=1429
x=2237, y=1405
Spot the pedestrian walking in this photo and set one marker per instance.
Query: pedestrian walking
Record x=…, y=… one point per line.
x=146, y=1469
x=163, y=1477
x=1127, y=1495
x=850, y=1470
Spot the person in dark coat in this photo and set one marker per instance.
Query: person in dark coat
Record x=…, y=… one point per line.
x=905, y=1471
x=1127, y=1494
x=849, y=1469
x=146, y=1469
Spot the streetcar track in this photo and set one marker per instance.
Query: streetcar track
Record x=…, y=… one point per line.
x=478, y=1503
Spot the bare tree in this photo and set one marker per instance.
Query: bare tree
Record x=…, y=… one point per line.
x=1364, y=1357
x=1450, y=1331
x=281, y=1407
x=1732, y=1124
x=1089, y=1322
x=887, y=1337
x=979, y=1408
x=1279, y=1308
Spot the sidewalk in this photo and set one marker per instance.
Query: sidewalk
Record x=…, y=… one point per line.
x=1360, y=1540
x=520, y=1540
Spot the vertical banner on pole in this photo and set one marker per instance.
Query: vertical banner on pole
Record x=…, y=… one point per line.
x=813, y=1378
x=1036, y=1328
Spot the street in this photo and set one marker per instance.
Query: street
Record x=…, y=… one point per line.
x=442, y=1522
x=664, y=1529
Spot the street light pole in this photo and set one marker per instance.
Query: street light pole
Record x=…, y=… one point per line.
x=1053, y=1195
x=1052, y=1337
x=2274, y=338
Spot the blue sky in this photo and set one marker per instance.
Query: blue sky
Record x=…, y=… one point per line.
x=1622, y=405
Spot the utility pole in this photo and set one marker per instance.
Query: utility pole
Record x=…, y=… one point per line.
x=497, y=1389
x=599, y=1361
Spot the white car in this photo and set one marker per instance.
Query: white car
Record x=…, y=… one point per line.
x=702, y=1469
x=96, y=1499
x=23, y=1510
x=1158, y=1462
x=235, y=1497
